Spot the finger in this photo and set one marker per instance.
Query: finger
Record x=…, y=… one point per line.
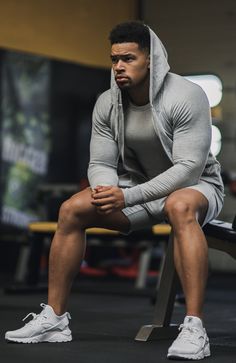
x=103, y=201
x=104, y=194
x=102, y=187
x=106, y=207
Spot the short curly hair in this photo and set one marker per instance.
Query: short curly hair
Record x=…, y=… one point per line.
x=132, y=31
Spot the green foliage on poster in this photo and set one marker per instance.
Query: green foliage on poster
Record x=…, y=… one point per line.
x=25, y=135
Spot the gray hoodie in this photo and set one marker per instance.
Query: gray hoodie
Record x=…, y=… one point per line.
x=181, y=119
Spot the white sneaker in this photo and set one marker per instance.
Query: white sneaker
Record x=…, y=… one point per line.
x=192, y=342
x=44, y=327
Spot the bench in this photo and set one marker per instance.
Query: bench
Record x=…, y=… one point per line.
x=221, y=236
x=28, y=266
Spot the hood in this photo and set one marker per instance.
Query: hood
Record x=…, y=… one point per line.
x=159, y=68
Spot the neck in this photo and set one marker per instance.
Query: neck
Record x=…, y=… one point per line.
x=139, y=95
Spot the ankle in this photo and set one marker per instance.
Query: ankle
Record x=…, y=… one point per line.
x=58, y=310
x=194, y=313
x=199, y=316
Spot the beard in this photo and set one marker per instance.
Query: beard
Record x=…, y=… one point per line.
x=125, y=84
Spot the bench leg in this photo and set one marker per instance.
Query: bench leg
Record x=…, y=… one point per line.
x=36, y=249
x=161, y=328
x=21, y=267
x=144, y=263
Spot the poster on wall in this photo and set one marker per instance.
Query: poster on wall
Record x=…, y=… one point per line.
x=25, y=135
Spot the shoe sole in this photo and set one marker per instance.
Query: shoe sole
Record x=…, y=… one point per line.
x=180, y=357
x=48, y=337
x=201, y=355
x=189, y=357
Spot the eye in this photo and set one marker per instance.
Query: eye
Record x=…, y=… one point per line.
x=114, y=59
x=128, y=58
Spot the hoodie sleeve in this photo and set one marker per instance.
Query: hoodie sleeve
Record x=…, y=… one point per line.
x=190, y=117
x=104, y=154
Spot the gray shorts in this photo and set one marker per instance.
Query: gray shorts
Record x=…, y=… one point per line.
x=140, y=216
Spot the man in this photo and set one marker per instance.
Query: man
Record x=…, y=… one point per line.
x=159, y=125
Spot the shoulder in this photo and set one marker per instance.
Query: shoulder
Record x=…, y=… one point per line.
x=105, y=96
x=103, y=103
x=178, y=89
x=103, y=109
x=182, y=94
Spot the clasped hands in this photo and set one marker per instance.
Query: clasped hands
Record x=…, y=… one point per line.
x=107, y=199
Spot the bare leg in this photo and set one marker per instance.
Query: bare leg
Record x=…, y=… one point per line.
x=184, y=209
x=68, y=245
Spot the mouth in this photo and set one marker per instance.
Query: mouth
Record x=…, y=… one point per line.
x=121, y=79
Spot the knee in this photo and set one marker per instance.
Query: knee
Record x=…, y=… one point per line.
x=71, y=212
x=178, y=210
x=67, y=209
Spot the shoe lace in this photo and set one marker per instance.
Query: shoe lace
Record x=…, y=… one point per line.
x=188, y=333
x=37, y=318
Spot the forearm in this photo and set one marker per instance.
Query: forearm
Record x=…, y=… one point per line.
x=104, y=155
x=176, y=177
x=101, y=174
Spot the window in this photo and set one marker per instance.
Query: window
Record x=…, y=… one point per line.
x=212, y=86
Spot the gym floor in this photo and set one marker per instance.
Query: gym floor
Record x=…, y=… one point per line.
x=106, y=315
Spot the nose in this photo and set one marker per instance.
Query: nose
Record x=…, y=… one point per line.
x=119, y=66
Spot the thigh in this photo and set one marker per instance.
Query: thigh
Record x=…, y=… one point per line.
x=214, y=196
x=139, y=217
x=89, y=216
